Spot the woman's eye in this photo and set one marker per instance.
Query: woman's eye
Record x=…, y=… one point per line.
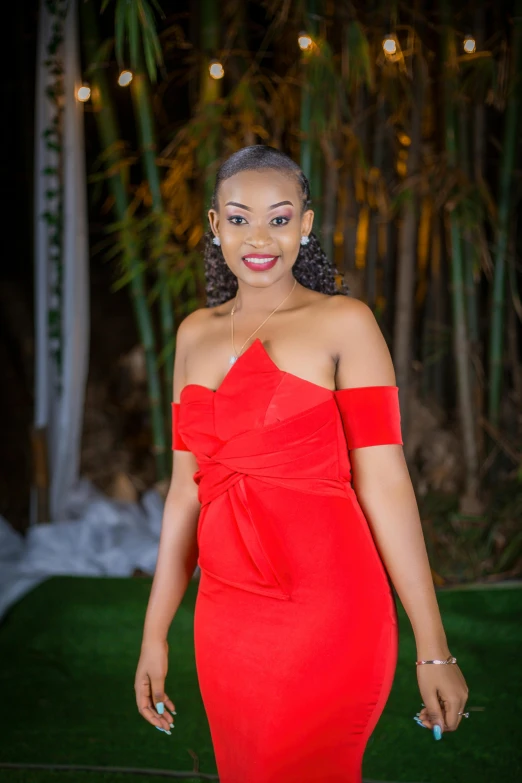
x=234, y=218
x=284, y=219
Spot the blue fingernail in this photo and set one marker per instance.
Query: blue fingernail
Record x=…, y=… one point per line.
x=419, y=722
x=437, y=732
x=171, y=725
x=159, y=728
x=160, y=707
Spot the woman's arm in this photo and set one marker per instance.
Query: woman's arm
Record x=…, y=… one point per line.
x=384, y=490
x=178, y=553
x=177, y=558
x=382, y=482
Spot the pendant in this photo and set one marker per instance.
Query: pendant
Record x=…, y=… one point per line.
x=232, y=360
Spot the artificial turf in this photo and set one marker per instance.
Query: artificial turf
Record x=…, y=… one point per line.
x=68, y=653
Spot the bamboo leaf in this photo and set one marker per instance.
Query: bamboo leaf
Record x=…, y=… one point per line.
x=358, y=55
x=134, y=32
x=150, y=34
x=158, y=8
x=149, y=57
x=119, y=25
x=139, y=267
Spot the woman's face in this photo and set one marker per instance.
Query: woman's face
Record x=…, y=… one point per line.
x=260, y=225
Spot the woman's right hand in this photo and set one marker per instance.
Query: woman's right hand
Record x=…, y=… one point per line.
x=149, y=685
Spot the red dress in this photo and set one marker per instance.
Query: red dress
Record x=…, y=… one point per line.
x=295, y=624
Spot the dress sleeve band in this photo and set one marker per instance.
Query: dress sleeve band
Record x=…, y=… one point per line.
x=177, y=441
x=370, y=415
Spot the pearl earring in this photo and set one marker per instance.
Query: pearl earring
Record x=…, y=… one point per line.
x=305, y=240
x=217, y=241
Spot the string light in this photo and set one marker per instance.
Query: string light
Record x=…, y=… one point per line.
x=125, y=78
x=305, y=42
x=389, y=45
x=216, y=70
x=469, y=44
x=83, y=93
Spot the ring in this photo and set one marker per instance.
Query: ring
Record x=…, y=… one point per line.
x=464, y=714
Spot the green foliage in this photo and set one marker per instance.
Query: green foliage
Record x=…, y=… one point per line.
x=358, y=119
x=467, y=548
x=134, y=21
x=359, y=64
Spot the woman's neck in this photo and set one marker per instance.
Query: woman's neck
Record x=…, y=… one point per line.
x=251, y=300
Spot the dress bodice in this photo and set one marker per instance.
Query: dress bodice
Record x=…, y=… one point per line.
x=258, y=401
x=266, y=431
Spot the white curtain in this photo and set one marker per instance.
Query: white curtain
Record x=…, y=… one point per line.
x=59, y=394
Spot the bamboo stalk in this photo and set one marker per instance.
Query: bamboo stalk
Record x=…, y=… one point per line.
x=331, y=188
x=306, y=143
x=210, y=92
x=434, y=319
x=507, y=166
x=479, y=117
x=471, y=292
x=310, y=149
x=371, y=270
x=349, y=212
x=469, y=502
x=407, y=247
x=108, y=131
x=140, y=90
x=472, y=305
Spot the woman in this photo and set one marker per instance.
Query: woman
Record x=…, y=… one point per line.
x=291, y=491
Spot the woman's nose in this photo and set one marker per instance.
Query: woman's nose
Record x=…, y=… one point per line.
x=259, y=236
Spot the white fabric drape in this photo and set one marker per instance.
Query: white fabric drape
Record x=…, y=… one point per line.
x=59, y=399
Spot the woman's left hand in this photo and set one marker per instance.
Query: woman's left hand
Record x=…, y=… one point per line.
x=444, y=693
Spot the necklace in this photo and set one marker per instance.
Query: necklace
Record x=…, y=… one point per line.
x=235, y=355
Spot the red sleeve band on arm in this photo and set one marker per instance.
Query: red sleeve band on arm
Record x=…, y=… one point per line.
x=370, y=415
x=178, y=443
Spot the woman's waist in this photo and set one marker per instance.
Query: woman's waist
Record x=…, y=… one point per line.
x=216, y=479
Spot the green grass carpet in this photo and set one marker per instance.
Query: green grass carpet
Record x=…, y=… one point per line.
x=68, y=653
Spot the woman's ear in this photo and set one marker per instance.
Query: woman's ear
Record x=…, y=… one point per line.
x=213, y=218
x=307, y=222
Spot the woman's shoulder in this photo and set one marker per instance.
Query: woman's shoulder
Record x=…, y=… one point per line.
x=342, y=313
x=198, y=321
x=190, y=328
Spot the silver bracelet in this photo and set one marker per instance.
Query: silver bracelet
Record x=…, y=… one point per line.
x=450, y=659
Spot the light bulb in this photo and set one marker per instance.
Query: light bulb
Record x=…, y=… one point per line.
x=389, y=45
x=216, y=70
x=305, y=42
x=469, y=44
x=84, y=93
x=125, y=78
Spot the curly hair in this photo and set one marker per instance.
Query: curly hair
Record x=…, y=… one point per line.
x=312, y=268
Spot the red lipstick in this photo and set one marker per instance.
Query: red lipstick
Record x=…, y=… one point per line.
x=259, y=262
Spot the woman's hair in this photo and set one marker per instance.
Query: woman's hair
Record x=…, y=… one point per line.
x=312, y=268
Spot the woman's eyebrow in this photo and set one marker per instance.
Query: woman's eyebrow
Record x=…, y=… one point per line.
x=242, y=206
